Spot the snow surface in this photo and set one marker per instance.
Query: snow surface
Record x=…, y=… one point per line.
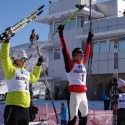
x=96, y=114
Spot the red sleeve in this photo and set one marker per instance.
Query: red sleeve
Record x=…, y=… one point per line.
x=86, y=53
x=67, y=59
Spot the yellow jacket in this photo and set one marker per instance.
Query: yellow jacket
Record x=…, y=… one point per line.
x=19, y=98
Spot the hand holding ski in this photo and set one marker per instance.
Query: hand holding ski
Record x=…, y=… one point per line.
x=10, y=31
x=72, y=16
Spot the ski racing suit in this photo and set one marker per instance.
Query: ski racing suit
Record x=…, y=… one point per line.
x=76, y=74
x=17, y=80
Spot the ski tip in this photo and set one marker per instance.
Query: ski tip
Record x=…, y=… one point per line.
x=41, y=7
x=80, y=7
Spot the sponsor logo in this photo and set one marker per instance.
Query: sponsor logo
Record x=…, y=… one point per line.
x=79, y=71
x=20, y=78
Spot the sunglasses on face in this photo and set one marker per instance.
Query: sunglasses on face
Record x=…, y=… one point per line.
x=23, y=59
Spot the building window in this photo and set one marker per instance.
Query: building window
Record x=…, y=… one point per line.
x=51, y=54
x=67, y=26
x=96, y=48
x=103, y=46
x=57, y=54
x=51, y=27
x=122, y=44
x=72, y=24
x=80, y=22
x=100, y=1
x=111, y=46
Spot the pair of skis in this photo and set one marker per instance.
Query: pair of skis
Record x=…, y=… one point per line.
x=10, y=31
x=70, y=19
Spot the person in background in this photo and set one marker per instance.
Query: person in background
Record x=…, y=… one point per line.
x=17, y=79
x=76, y=73
x=106, y=100
x=99, y=91
x=121, y=102
x=64, y=114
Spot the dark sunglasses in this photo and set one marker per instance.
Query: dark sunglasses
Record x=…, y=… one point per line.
x=24, y=59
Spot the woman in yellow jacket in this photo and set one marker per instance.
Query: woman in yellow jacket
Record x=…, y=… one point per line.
x=18, y=79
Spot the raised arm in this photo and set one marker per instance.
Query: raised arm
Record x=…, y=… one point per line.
x=6, y=63
x=66, y=55
x=88, y=48
x=38, y=69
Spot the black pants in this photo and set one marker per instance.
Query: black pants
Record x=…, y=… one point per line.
x=106, y=104
x=33, y=110
x=121, y=116
x=16, y=115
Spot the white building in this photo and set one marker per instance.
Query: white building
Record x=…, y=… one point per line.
x=108, y=25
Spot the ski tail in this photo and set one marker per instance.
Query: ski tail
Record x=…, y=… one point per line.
x=10, y=31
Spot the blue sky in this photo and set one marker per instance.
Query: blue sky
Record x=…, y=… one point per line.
x=13, y=11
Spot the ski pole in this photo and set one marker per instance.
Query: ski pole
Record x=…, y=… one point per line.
x=90, y=30
x=46, y=84
x=114, y=89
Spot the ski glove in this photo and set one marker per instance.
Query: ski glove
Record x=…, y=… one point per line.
x=60, y=30
x=8, y=36
x=40, y=60
x=90, y=36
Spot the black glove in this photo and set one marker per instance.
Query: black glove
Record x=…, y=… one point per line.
x=40, y=60
x=37, y=37
x=7, y=36
x=60, y=30
x=90, y=36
